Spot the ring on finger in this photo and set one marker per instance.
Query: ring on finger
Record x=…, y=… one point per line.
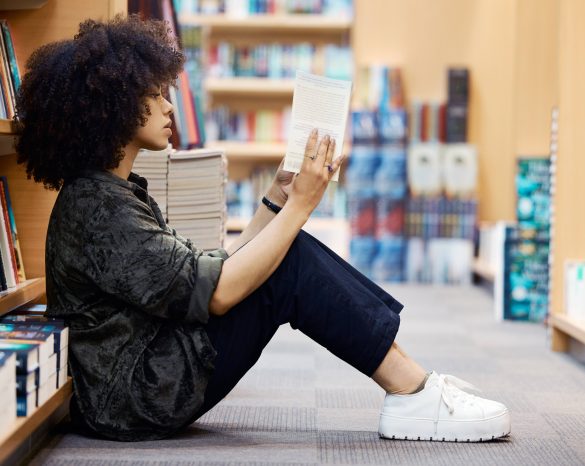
x=312, y=157
x=329, y=167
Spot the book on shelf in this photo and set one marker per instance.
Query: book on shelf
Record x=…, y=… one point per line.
x=27, y=355
x=244, y=8
x=574, y=277
x=9, y=72
x=12, y=268
x=7, y=206
x=7, y=392
x=44, y=340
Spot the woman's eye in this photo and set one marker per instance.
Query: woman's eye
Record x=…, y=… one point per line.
x=156, y=96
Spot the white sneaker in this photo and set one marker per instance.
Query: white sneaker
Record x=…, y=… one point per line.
x=443, y=411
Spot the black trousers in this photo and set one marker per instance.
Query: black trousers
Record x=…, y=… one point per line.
x=318, y=293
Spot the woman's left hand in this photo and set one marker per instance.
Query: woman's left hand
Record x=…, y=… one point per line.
x=281, y=186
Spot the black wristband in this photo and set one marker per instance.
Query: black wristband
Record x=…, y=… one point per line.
x=271, y=205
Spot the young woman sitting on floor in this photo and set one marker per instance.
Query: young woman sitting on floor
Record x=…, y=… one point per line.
x=161, y=331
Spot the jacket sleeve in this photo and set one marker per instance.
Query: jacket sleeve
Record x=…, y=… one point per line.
x=133, y=259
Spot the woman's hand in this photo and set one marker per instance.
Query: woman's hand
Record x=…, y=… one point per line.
x=281, y=186
x=307, y=188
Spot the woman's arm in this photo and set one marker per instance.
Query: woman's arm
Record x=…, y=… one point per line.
x=257, y=259
x=278, y=194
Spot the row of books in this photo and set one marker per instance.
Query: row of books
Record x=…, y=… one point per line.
x=430, y=170
x=397, y=259
x=384, y=126
x=11, y=266
x=189, y=187
x=242, y=8
x=188, y=118
x=277, y=60
x=243, y=196
x=379, y=87
x=33, y=361
x=259, y=125
x=9, y=72
x=414, y=217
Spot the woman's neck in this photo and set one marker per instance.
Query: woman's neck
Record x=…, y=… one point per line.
x=125, y=166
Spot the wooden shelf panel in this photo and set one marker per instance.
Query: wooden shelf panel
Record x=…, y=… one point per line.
x=256, y=151
x=250, y=86
x=24, y=427
x=22, y=294
x=569, y=325
x=260, y=151
x=483, y=270
x=6, y=128
x=315, y=24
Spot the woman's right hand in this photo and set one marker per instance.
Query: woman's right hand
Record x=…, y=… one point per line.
x=316, y=171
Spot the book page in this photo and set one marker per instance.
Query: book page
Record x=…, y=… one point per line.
x=321, y=103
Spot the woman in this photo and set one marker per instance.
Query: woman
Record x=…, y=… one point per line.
x=160, y=332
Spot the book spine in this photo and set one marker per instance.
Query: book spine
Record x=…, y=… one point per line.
x=15, y=241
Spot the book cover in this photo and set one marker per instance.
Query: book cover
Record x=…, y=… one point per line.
x=424, y=169
x=26, y=383
x=13, y=62
x=459, y=169
x=44, y=340
x=27, y=355
x=26, y=404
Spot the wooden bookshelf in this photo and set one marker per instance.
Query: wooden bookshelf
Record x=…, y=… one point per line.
x=256, y=151
x=257, y=87
x=568, y=228
x=6, y=128
x=22, y=294
x=313, y=24
x=49, y=414
x=31, y=202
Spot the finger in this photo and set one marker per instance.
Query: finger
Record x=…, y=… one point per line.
x=311, y=146
x=336, y=164
x=322, y=149
x=330, y=152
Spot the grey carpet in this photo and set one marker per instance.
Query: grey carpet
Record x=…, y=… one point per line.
x=301, y=405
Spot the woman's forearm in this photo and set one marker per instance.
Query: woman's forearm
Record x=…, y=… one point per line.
x=257, y=258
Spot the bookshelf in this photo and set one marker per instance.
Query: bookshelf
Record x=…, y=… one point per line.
x=32, y=204
x=243, y=94
x=250, y=87
x=313, y=24
x=569, y=223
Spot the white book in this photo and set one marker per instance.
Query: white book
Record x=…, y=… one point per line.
x=459, y=169
x=321, y=103
x=575, y=289
x=424, y=169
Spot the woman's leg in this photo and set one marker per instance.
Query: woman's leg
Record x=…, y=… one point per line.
x=316, y=292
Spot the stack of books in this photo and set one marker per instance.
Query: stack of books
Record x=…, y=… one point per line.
x=154, y=166
x=196, y=196
x=7, y=392
x=40, y=346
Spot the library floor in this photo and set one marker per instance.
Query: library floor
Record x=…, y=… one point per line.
x=301, y=405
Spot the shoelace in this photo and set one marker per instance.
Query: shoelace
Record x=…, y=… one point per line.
x=449, y=385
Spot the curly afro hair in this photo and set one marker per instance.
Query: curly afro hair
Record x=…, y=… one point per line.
x=82, y=100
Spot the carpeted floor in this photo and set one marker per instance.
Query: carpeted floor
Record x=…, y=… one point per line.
x=301, y=405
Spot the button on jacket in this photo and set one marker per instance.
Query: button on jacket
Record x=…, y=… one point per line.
x=135, y=295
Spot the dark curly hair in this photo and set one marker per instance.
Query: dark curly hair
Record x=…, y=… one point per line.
x=82, y=100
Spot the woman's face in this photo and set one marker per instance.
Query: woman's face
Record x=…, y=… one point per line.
x=155, y=134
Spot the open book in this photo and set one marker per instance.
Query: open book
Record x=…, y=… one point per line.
x=318, y=102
